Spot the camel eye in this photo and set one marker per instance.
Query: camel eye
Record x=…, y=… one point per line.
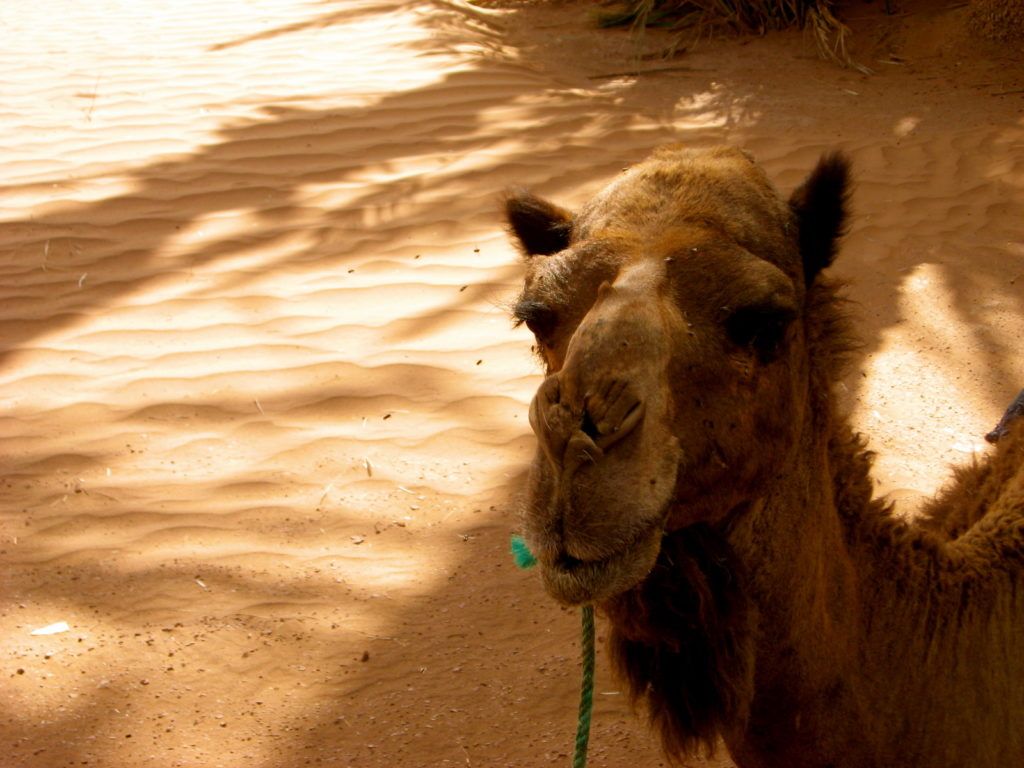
x=538, y=317
x=760, y=329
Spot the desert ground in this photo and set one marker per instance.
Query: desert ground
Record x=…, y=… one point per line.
x=263, y=415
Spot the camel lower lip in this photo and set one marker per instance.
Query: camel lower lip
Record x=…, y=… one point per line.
x=579, y=582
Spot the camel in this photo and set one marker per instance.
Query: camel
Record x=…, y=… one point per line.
x=695, y=480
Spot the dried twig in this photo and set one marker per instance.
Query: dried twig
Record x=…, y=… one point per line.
x=651, y=71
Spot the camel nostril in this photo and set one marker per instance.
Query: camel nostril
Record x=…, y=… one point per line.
x=606, y=420
x=627, y=423
x=551, y=421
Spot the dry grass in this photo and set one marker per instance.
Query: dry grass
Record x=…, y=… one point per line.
x=998, y=20
x=744, y=16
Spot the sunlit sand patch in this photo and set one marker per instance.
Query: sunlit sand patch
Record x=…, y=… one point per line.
x=905, y=126
x=41, y=685
x=936, y=343
x=714, y=108
x=94, y=97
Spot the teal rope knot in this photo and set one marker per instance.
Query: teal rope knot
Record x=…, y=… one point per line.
x=521, y=553
x=524, y=559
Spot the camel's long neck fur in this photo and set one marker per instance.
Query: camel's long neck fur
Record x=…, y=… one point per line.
x=806, y=585
x=789, y=628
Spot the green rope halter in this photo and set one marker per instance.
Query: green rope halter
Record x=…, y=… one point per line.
x=579, y=758
x=524, y=559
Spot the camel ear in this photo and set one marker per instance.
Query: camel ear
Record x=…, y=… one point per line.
x=819, y=205
x=541, y=227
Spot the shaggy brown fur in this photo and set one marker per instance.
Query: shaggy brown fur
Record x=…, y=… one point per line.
x=693, y=479
x=683, y=637
x=999, y=20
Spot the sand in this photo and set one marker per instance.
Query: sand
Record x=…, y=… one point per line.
x=262, y=412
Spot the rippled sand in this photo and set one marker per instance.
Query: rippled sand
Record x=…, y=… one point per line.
x=263, y=415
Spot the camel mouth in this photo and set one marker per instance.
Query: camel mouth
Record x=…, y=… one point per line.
x=574, y=582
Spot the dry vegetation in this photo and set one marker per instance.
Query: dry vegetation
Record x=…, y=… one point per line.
x=741, y=15
x=745, y=16
x=1001, y=21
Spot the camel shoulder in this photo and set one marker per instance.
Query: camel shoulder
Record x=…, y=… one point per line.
x=986, y=496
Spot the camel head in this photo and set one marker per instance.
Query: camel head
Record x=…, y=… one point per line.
x=668, y=312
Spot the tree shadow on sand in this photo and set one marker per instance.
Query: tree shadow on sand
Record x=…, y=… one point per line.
x=508, y=113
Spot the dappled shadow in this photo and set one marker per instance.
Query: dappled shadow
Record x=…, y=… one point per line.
x=253, y=172
x=443, y=144
x=335, y=669
x=946, y=271
x=531, y=110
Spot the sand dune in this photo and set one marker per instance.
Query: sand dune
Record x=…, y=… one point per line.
x=263, y=415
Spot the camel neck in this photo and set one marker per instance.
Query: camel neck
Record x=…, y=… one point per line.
x=792, y=544
x=860, y=612
x=802, y=580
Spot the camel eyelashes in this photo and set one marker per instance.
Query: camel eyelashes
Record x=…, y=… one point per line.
x=760, y=329
x=538, y=317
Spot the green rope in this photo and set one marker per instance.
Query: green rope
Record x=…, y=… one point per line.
x=524, y=559
x=579, y=759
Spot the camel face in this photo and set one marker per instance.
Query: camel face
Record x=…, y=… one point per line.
x=666, y=312
x=606, y=463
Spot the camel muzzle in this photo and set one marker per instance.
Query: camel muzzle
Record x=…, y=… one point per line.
x=612, y=363
x=606, y=464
